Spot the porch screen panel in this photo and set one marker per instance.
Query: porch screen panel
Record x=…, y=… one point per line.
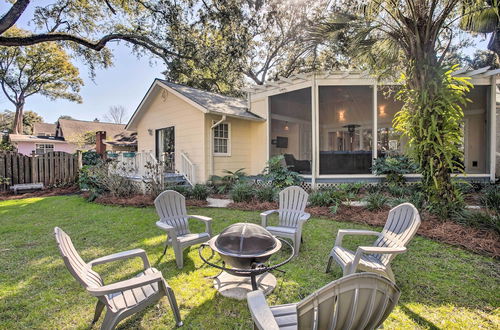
x=475, y=128
x=291, y=129
x=345, y=129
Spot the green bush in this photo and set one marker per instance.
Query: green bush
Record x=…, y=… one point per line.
x=242, y=192
x=393, y=202
x=320, y=198
x=280, y=176
x=90, y=158
x=223, y=184
x=373, y=188
x=397, y=190
x=491, y=197
x=351, y=188
x=266, y=194
x=185, y=191
x=376, y=201
x=200, y=192
x=394, y=167
x=478, y=219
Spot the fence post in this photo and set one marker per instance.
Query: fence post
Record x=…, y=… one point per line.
x=80, y=159
x=34, y=163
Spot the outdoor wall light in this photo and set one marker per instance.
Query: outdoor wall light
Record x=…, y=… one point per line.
x=381, y=111
x=342, y=115
x=150, y=131
x=286, y=128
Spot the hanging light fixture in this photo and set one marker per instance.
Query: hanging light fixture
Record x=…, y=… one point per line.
x=286, y=128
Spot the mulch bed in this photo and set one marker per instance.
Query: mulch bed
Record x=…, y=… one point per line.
x=486, y=242
x=70, y=190
x=139, y=201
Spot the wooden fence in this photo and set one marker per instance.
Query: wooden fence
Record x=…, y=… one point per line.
x=50, y=169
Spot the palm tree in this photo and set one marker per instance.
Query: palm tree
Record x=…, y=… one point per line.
x=412, y=37
x=483, y=16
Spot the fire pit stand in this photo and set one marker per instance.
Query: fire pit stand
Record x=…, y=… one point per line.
x=246, y=248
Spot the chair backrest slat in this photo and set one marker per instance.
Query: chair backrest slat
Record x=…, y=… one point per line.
x=292, y=203
x=356, y=301
x=171, y=208
x=402, y=224
x=80, y=270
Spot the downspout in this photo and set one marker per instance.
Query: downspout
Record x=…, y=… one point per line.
x=211, y=151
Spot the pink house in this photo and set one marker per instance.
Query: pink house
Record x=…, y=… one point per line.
x=27, y=144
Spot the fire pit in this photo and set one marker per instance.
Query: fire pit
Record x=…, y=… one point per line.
x=245, y=247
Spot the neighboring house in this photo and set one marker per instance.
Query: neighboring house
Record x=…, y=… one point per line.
x=70, y=135
x=329, y=126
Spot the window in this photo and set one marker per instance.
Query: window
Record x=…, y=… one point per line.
x=221, y=136
x=43, y=148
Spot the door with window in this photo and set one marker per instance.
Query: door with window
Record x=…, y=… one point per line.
x=165, y=147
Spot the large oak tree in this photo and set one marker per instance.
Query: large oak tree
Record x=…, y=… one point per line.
x=43, y=69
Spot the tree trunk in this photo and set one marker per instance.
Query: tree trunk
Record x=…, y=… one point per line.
x=17, y=125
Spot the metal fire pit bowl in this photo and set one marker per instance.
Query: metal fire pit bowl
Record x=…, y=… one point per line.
x=246, y=247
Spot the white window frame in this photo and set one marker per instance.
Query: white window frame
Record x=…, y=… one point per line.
x=44, y=147
x=222, y=154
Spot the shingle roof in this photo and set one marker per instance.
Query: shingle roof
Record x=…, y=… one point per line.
x=71, y=127
x=46, y=128
x=213, y=102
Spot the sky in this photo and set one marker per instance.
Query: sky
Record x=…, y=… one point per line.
x=125, y=83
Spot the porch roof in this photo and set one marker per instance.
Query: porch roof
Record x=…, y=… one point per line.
x=283, y=82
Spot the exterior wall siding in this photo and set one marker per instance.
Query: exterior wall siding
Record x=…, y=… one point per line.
x=240, y=146
x=26, y=148
x=189, y=129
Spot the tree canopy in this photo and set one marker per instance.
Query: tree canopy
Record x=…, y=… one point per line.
x=30, y=118
x=43, y=69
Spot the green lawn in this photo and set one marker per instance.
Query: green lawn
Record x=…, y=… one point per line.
x=442, y=286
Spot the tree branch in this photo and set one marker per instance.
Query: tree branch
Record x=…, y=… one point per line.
x=10, y=18
x=98, y=45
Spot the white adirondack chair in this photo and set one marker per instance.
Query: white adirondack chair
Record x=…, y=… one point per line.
x=171, y=208
x=123, y=298
x=292, y=202
x=357, y=301
x=402, y=224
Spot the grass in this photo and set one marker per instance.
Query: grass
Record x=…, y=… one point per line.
x=442, y=286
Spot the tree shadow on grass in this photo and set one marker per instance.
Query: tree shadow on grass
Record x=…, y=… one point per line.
x=417, y=318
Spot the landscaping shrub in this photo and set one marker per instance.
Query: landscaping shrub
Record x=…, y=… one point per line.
x=89, y=179
x=90, y=158
x=373, y=188
x=223, y=184
x=417, y=198
x=394, y=167
x=376, y=201
x=320, y=198
x=491, y=197
x=393, y=202
x=280, y=176
x=200, y=192
x=478, y=219
x=185, y=191
x=397, y=190
x=266, y=194
x=242, y=192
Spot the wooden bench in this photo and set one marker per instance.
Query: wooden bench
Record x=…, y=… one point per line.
x=26, y=187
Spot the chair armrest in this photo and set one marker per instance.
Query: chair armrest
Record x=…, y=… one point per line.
x=373, y=250
x=123, y=255
x=264, y=216
x=304, y=217
x=132, y=283
x=206, y=220
x=261, y=313
x=168, y=228
x=342, y=232
x=381, y=250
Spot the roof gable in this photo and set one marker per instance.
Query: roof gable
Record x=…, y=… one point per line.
x=207, y=102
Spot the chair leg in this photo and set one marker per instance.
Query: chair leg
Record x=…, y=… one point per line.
x=179, y=258
x=329, y=265
x=390, y=274
x=173, y=305
x=165, y=249
x=110, y=321
x=296, y=245
x=98, y=311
